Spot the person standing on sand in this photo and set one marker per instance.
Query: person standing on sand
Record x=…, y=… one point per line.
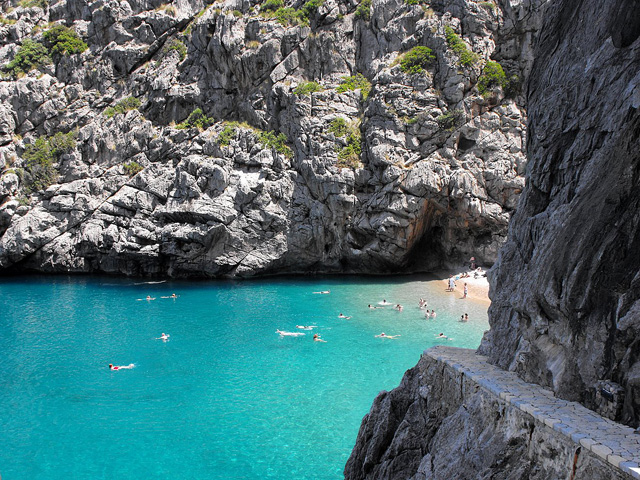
x=466, y=291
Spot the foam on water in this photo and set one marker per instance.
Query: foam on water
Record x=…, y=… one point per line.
x=226, y=397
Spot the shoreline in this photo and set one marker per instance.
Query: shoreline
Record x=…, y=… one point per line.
x=478, y=288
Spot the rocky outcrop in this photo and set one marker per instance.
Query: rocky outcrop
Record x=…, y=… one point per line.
x=565, y=298
x=453, y=416
x=427, y=172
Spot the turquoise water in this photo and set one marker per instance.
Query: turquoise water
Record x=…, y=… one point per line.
x=225, y=397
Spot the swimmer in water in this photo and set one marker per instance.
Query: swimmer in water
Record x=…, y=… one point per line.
x=433, y=314
x=306, y=327
x=384, y=335
x=121, y=367
x=316, y=338
x=324, y=292
x=343, y=316
x=442, y=335
x=399, y=307
x=164, y=337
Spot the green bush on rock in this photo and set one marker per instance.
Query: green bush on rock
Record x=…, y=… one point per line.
x=276, y=142
x=123, y=106
x=466, y=57
x=30, y=55
x=196, y=119
x=41, y=155
x=416, y=60
x=492, y=76
x=355, y=82
x=62, y=40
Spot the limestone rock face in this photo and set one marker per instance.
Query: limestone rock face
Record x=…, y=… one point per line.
x=439, y=424
x=565, y=297
x=400, y=172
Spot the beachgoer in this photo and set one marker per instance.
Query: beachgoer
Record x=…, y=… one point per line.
x=120, y=367
x=466, y=291
x=399, y=307
x=442, y=335
x=452, y=283
x=173, y=295
x=148, y=297
x=343, y=316
x=466, y=317
x=324, y=292
x=164, y=337
x=384, y=335
x=433, y=314
x=316, y=338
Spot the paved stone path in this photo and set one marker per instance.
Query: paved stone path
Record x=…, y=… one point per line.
x=615, y=443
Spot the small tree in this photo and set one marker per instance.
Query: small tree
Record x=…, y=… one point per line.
x=355, y=82
x=307, y=88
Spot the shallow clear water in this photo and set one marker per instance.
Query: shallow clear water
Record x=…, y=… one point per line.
x=225, y=397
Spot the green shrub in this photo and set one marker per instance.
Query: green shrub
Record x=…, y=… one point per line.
x=310, y=8
x=271, y=5
x=357, y=81
x=40, y=171
x=307, y=88
x=196, y=119
x=455, y=43
x=132, y=168
x=450, y=120
x=290, y=16
x=227, y=134
x=492, y=76
x=338, y=127
x=30, y=55
x=33, y=3
x=277, y=142
x=349, y=156
x=237, y=13
x=177, y=46
x=364, y=10
x=490, y=5
x=416, y=60
x=62, y=40
x=123, y=106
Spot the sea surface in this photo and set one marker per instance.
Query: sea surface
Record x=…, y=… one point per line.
x=226, y=397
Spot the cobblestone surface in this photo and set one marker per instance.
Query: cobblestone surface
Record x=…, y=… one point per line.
x=613, y=442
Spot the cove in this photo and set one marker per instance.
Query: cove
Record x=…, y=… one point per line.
x=226, y=397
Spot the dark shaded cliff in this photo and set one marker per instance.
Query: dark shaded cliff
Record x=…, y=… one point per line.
x=565, y=307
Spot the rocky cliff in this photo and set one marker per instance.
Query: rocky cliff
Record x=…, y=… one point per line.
x=565, y=309
x=248, y=137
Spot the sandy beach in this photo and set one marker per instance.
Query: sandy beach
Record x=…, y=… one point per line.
x=478, y=288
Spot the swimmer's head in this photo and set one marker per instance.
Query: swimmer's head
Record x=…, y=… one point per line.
x=110, y=365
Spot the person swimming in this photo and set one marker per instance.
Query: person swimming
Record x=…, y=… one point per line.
x=306, y=327
x=433, y=314
x=324, y=292
x=316, y=338
x=121, y=367
x=441, y=335
x=384, y=335
x=164, y=337
x=343, y=316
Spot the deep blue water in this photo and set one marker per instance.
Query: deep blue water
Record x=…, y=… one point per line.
x=225, y=397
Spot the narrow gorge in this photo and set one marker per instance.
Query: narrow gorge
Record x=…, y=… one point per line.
x=242, y=138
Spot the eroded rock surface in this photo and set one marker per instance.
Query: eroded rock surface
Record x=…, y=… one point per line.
x=565, y=297
x=439, y=173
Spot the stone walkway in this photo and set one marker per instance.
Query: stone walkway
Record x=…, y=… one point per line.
x=613, y=442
